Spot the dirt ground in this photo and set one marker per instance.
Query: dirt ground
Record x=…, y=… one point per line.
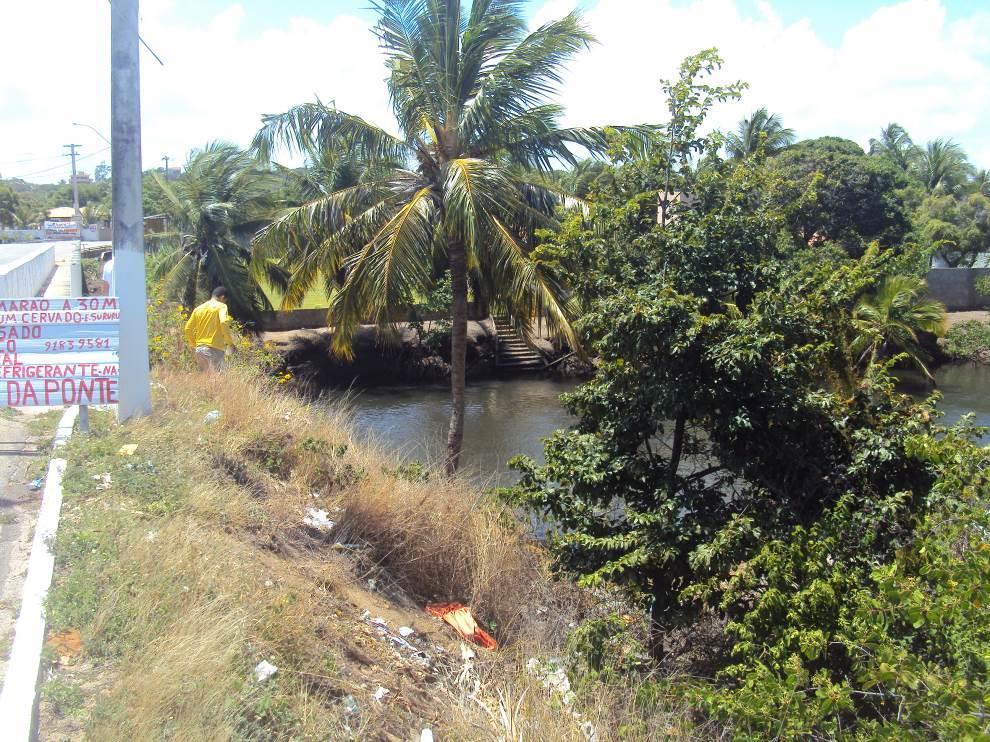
x=18, y=511
x=956, y=318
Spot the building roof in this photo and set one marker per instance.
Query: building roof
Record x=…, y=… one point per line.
x=62, y=212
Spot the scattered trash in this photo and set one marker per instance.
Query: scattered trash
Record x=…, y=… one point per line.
x=551, y=673
x=589, y=731
x=379, y=621
x=104, y=481
x=405, y=631
x=315, y=495
x=264, y=670
x=150, y=536
x=366, y=616
x=381, y=693
x=66, y=643
x=466, y=677
x=127, y=449
x=269, y=583
x=318, y=519
x=35, y=485
x=350, y=705
x=211, y=417
x=372, y=584
x=426, y=735
x=459, y=616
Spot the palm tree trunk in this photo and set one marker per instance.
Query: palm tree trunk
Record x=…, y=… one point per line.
x=190, y=294
x=458, y=352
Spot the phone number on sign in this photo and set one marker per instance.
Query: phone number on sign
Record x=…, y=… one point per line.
x=77, y=344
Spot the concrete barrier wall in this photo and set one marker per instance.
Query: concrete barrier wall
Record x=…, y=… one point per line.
x=956, y=288
x=22, y=235
x=311, y=319
x=27, y=276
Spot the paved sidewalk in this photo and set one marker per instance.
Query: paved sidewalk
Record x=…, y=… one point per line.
x=18, y=514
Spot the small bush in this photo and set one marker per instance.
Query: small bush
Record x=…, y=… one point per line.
x=968, y=341
x=66, y=699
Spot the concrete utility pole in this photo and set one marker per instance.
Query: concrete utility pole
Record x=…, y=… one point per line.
x=128, y=217
x=165, y=157
x=75, y=185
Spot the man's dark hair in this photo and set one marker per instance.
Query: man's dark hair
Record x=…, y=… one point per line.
x=107, y=255
x=219, y=292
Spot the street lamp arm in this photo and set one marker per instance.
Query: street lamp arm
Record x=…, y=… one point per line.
x=95, y=130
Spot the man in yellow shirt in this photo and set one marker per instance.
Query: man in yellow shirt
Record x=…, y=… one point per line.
x=208, y=331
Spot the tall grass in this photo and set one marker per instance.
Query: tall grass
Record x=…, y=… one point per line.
x=194, y=565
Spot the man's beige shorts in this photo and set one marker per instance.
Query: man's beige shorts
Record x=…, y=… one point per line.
x=209, y=359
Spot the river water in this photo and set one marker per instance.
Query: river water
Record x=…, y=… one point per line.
x=509, y=417
x=965, y=388
x=502, y=418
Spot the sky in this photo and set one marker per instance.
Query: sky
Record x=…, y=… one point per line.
x=842, y=67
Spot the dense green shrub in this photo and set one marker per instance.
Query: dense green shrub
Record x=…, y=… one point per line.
x=969, y=340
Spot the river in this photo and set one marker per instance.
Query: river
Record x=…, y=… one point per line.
x=502, y=418
x=964, y=387
x=509, y=417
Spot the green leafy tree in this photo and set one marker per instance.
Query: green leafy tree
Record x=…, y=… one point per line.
x=469, y=88
x=943, y=166
x=855, y=200
x=222, y=198
x=689, y=99
x=895, y=144
x=957, y=229
x=9, y=206
x=761, y=130
x=891, y=320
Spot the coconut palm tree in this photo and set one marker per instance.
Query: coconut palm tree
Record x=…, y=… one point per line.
x=943, y=166
x=215, y=207
x=981, y=182
x=763, y=128
x=890, y=320
x=895, y=144
x=469, y=88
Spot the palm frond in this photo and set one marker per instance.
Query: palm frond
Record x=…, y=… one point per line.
x=315, y=126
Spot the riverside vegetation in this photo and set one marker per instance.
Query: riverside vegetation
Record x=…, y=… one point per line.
x=752, y=534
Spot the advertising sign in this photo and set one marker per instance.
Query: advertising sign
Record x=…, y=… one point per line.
x=59, y=351
x=61, y=230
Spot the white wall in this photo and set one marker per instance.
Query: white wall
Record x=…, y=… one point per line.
x=27, y=276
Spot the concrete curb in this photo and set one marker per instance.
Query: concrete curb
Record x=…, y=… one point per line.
x=19, y=695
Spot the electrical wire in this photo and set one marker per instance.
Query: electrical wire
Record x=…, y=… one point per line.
x=60, y=165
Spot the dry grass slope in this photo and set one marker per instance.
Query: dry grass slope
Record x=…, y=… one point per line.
x=193, y=565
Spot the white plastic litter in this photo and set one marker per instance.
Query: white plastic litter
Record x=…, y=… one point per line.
x=405, y=632
x=212, y=416
x=104, y=480
x=381, y=693
x=379, y=621
x=319, y=519
x=264, y=670
x=426, y=735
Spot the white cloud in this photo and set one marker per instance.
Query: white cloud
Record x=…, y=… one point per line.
x=216, y=83
x=906, y=62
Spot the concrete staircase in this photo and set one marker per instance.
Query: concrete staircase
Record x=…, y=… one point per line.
x=513, y=353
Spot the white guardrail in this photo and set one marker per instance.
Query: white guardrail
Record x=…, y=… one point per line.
x=20, y=687
x=26, y=276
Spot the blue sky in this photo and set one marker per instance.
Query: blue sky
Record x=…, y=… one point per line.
x=831, y=18
x=839, y=67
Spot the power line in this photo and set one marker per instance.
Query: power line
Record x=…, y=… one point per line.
x=60, y=166
x=30, y=159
